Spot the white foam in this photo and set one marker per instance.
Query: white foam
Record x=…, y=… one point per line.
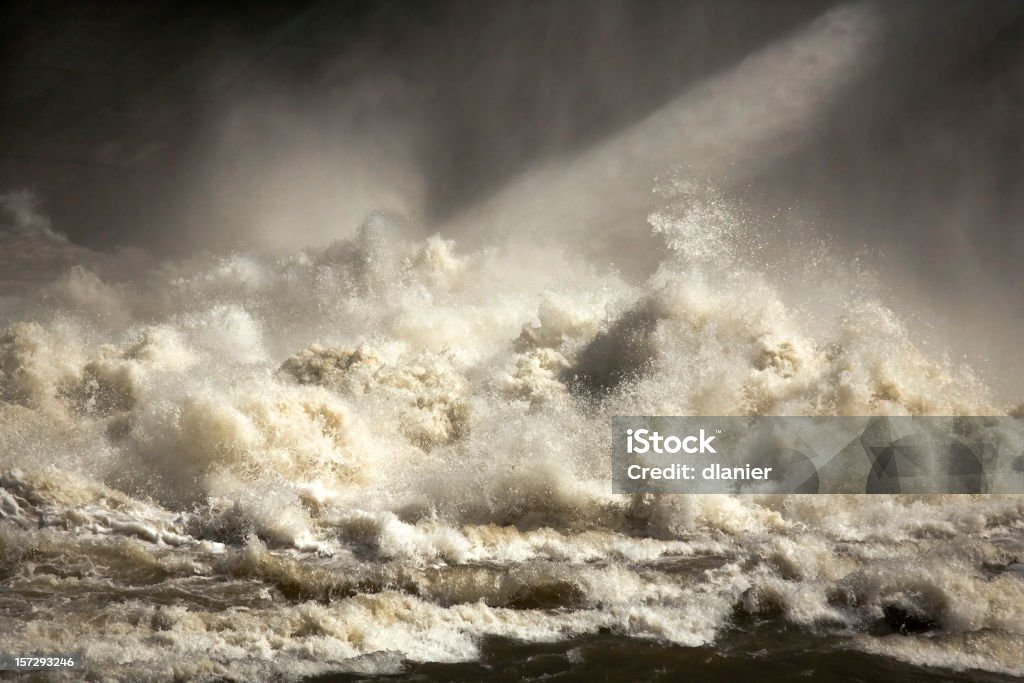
x=427, y=429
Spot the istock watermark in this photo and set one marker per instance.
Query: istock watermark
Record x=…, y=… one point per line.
x=905, y=454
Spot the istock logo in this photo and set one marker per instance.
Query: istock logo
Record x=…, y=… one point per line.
x=646, y=441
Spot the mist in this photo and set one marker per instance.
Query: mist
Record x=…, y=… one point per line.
x=889, y=130
x=314, y=318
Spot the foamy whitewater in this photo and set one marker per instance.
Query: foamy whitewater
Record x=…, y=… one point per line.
x=385, y=451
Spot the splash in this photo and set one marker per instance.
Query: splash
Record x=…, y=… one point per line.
x=388, y=449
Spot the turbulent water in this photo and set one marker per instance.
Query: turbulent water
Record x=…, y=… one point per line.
x=392, y=453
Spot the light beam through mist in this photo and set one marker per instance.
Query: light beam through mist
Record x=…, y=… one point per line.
x=729, y=124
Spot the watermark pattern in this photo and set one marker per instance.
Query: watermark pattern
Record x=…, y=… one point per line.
x=905, y=454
